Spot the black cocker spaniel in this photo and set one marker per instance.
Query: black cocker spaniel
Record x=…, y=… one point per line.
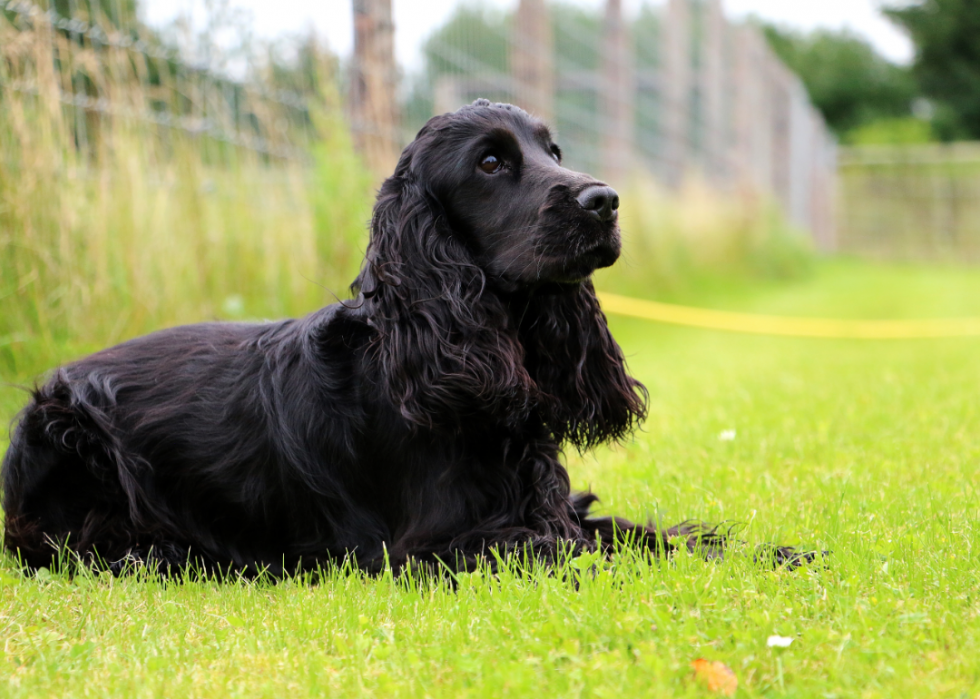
x=421, y=421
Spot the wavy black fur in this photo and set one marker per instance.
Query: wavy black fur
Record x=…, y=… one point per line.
x=421, y=421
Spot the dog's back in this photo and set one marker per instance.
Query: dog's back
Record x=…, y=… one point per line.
x=129, y=449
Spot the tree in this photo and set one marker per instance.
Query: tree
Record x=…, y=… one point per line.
x=850, y=83
x=946, y=34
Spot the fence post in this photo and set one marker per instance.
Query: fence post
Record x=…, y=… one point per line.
x=616, y=93
x=713, y=88
x=752, y=109
x=531, y=61
x=779, y=81
x=824, y=195
x=677, y=89
x=374, y=78
x=801, y=155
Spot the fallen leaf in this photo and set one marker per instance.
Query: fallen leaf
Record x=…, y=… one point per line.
x=716, y=675
x=779, y=642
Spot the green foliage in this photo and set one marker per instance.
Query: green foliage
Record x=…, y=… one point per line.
x=867, y=449
x=645, y=33
x=676, y=241
x=577, y=33
x=897, y=131
x=847, y=80
x=339, y=190
x=910, y=202
x=473, y=40
x=118, y=13
x=307, y=68
x=947, y=62
x=145, y=227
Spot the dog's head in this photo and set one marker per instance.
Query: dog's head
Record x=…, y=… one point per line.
x=477, y=277
x=496, y=174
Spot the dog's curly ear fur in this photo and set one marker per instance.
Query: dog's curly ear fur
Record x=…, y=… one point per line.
x=585, y=395
x=446, y=350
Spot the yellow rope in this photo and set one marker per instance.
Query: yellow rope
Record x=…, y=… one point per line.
x=791, y=327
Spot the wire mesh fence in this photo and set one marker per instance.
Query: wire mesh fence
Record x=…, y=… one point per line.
x=674, y=90
x=144, y=182
x=911, y=202
x=105, y=65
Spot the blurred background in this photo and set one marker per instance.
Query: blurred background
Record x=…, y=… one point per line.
x=164, y=162
x=792, y=162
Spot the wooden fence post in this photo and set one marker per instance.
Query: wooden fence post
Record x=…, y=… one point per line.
x=713, y=89
x=677, y=89
x=752, y=109
x=374, y=79
x=801, y=154
x=616, y=93
x=531, y=61
x=824, y=187
x=779, y=84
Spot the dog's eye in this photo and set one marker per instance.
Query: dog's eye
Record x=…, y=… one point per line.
x=556, y=152
x=491, y=164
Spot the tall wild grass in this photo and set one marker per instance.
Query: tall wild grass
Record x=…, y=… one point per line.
x=677, y=241
x=112, y=225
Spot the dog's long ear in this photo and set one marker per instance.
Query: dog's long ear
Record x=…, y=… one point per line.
x=445, y=347
x=585, y=394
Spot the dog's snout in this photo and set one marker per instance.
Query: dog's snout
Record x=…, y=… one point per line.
x=599, y=200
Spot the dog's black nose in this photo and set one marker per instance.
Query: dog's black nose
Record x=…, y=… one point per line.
x=600, y=201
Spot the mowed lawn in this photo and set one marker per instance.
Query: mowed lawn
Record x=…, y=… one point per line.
x=868, y=449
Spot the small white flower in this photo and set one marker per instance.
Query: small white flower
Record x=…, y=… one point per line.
x=233, y=306
x=779, y=642
x=727, y=435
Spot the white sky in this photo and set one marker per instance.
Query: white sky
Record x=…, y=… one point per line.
x=415, y=19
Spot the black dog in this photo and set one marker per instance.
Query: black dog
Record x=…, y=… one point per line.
x=421, y=421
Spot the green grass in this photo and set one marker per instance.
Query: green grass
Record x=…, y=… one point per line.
x=111, y=226
x=868, y=449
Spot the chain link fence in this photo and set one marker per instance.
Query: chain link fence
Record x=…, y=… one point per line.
x=674, y=90
x=106, y=66
x=918, y=202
